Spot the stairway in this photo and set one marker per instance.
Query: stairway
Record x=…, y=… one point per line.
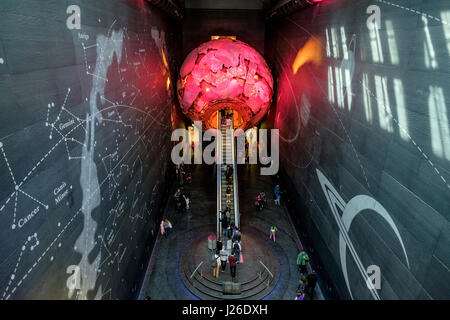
x=204, y=286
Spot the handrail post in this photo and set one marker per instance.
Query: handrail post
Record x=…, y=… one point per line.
x=196, y=270
x=266, y=268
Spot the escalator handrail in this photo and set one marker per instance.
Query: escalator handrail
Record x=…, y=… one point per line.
x=235, y=177
x=219, y=173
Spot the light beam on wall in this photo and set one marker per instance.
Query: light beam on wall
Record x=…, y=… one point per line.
x=439, y=125
x=430, y=54
x=393, y=51
x=384, y=107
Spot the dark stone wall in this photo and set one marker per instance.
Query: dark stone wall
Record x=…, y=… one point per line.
x=84, y=145
x=200, y=24
x=365, y=142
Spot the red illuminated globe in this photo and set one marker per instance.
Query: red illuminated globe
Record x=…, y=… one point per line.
x=225, y=74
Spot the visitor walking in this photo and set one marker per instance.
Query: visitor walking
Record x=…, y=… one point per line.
x=223, y=259
x=225, y=224
x=237, y=235
x=237, y=249
x=215, y=265
x=166, y=226
x=188, y=202
x=302, y=259
x=303, y=283
x=229, y=173
x=300, y=295
x=258, y=203
x=262, y=195
x=277, y=191
x=231, y=230
x=273, y=230
x=183, y=203
x=233, y=260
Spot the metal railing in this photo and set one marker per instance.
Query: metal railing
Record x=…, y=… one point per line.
x=235, y=178
x=219, y=174
x=199, y=265
x=193, y=273
x=267, y=269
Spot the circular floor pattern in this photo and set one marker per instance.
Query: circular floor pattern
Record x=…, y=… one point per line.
x=258, y=275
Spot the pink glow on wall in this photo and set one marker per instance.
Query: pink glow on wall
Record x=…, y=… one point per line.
x=225, y=73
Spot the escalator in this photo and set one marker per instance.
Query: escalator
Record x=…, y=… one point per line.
x=226, y=155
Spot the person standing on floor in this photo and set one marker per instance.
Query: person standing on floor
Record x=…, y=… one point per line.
x=229, y=173
x=228, y=194
x=167, y=226
x=233, y=260
x=237, y=250
x=302, y=259
x=237, y=235
x=183, y=203
x=188, y=202
x=161, y=227
x=312, y=281
x=225, y=223
x=231, y=230
x=223, y=259
x=272, y=231
x=216, y=265
x=303, y=284
x=276, y=191
x=299, y=296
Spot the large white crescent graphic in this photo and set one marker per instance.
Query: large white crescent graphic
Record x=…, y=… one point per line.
x=350, y=210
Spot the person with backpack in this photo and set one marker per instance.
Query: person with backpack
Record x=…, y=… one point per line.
x=237, y=250
x=215, y=263
x=236, y=235
x=223, y=259
x=272, y=232
x=312, y=281
x=233, y=260
x=302, y=259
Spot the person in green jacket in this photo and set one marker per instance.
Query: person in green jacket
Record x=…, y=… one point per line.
x=302, y=259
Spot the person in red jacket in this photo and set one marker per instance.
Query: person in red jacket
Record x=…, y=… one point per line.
x=233, y=259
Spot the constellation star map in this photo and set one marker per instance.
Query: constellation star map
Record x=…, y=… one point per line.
x=82, y=173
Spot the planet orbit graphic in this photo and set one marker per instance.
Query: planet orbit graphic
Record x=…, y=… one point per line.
x=350, y=210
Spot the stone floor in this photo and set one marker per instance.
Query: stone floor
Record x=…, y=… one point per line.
x=163, y=281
